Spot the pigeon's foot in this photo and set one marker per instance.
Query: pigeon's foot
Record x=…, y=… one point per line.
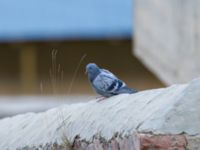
x=100, y=98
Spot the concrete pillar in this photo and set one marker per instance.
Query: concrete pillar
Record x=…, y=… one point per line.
x=167, y=38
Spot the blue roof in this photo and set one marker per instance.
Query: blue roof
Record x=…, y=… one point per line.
x=65, y=19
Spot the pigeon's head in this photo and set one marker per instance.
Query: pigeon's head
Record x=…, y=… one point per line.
x=92, y=71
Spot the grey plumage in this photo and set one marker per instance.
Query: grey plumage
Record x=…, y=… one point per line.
x=105, y=83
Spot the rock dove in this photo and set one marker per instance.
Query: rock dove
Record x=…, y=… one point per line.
x=105, y=83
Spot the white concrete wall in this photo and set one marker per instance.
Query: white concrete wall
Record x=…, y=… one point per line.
x=167, y=38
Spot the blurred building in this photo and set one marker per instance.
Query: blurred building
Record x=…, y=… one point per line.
x=42, y=43
x=167, y=37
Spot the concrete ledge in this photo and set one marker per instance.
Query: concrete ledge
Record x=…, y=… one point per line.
x=165, y=118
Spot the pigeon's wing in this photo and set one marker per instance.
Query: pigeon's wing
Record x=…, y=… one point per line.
x=107, y=83
x=108, y=73
x=118, y=83
x=117, y=86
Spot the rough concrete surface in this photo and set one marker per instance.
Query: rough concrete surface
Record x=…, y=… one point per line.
x=118, y=122
x=193, y=143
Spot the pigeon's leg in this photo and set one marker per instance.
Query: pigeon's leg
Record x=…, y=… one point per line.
x=100, y=98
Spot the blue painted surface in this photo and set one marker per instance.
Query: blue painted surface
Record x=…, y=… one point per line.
x=65, y=19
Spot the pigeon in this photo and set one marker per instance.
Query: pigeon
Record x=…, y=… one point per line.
x=106, y=83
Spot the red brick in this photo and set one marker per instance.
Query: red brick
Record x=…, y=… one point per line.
x=162, y=142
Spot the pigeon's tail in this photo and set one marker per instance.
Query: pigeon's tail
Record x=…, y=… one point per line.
x=126, y=90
